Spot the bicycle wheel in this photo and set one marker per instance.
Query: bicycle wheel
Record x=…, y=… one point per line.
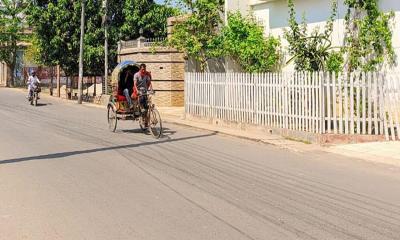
x=155, y=123
x=112, y=118
x=35, y=99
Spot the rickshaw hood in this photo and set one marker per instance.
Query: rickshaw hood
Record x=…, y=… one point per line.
x=119, y=68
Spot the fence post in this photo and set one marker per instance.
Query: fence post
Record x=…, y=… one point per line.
x=352, y=112
x=185, y=91
x=322, y=77
x=285, y=100
x=256, y=96
x=382, y=104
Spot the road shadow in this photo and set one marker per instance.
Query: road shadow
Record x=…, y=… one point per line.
x=42, y=104
x=136, y=130
x=103, y=149
x=167, y=133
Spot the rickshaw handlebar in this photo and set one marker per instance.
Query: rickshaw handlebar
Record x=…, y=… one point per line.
x=152, y=92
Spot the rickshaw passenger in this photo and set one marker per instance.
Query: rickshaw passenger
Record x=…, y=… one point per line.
x=127, y=87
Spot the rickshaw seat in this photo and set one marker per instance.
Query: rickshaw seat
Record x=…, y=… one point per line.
x=121, y=98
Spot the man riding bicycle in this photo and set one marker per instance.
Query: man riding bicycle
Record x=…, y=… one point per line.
x=33, y=81
x=142, y=84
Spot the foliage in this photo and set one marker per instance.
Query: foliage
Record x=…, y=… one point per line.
x=12, y=32
x=32, y=51
x=133, y=12
x=197, y=32
x=93, y=54
x=368, y=37
x=335, y=61
x=145, y=15
x=309, y=52
x=57, y=30
x=56, y=27
x=243, y=40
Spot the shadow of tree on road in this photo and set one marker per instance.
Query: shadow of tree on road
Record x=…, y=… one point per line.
x=95, y=150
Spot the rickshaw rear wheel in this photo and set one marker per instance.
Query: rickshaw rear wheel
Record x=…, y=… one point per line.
x=112, y=117
x=155, y=123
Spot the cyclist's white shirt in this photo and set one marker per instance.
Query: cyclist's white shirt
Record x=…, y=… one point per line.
x=33, y=80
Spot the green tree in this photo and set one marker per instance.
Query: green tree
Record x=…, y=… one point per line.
x=133, y=12
x=145, y=15
x=56, y=28
x=368, y=37
x=195, y=34
x=56, y=25
x=243, y=40
x=93, y=39
x=155, y=21
x=12, y=32
x=57, y=31
x=310, y=52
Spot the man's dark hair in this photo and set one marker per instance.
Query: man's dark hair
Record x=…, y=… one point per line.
x=142, y=65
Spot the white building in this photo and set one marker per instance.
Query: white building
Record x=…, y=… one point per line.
x=274, y=16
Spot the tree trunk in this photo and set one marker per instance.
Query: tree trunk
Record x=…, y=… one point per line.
x=12, y=76
x=8, y=75
x=94, y=86
x=12, y=70
x=51, y=80
x=58, y=81
x=66, y=87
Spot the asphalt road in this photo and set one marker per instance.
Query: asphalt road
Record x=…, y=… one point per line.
x=63, y=175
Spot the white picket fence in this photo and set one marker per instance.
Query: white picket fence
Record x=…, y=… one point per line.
x=362, y=103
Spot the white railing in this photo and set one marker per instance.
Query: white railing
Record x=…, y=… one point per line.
x=362, y=103
x=129, y=44
x=142, y=42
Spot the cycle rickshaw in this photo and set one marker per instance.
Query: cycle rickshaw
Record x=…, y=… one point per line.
x=118, y=109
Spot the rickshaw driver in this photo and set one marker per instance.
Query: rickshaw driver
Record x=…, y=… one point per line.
x=142, y=80
x=127, y=88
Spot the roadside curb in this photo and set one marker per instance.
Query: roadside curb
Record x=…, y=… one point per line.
x=276, y=141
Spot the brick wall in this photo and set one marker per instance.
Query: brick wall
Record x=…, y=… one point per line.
x=167, y=67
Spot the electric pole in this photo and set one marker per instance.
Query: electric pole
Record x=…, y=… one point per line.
x=105, y=21
x=80, y=80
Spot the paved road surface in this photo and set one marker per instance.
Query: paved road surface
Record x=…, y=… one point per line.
x=64, y=176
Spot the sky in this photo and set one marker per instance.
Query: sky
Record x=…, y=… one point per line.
x=163, y=1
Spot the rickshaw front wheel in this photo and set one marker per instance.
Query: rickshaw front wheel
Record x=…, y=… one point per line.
x=155, y=123
x=112, y=117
